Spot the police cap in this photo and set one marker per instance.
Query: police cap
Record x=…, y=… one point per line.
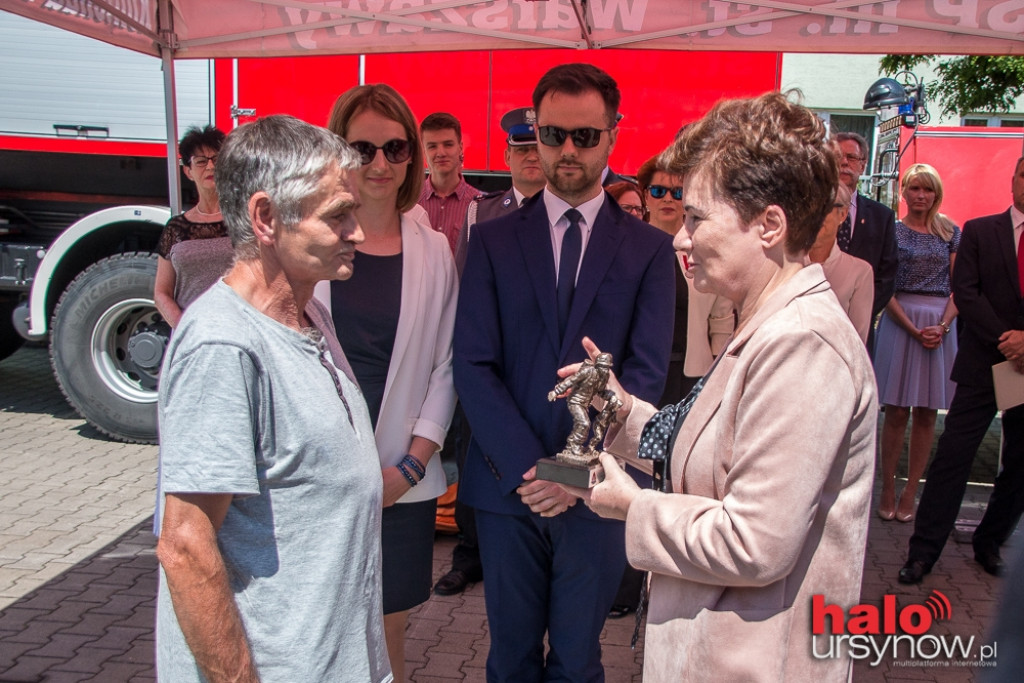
x=520, y=124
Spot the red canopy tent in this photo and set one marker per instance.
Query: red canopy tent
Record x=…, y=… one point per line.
x=203, y=29
x=267, y=28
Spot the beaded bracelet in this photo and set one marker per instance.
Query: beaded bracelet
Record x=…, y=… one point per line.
x=405, y=473
x=413, y=463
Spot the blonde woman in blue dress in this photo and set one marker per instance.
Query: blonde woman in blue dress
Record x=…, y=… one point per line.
x=914, y=351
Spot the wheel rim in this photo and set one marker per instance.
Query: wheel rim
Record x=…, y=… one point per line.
x=110, y=355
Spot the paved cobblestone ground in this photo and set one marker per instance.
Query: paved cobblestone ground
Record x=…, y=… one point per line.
x=77, y=568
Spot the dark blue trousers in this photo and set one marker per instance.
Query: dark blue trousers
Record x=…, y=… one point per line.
x=556, y=575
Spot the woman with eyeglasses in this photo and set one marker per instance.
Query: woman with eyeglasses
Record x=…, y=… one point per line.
x=628, y=196
x=194, y=250
x=394, y=318
x=915, y=350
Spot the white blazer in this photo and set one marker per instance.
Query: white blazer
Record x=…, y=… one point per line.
x=419, y=397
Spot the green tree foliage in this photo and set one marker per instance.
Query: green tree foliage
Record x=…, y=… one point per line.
x=965, y=85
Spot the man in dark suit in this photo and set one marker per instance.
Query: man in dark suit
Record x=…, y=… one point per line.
x=987, y=284
x=569, y=263
x=523, y=162
x=869, y=232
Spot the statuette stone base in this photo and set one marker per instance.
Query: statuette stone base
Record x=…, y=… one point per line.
x=579, y=473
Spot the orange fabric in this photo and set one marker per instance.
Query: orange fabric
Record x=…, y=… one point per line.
x=445, y=522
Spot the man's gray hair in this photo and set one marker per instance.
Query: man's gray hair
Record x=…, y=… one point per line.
x=282, y=156
x=856, y=137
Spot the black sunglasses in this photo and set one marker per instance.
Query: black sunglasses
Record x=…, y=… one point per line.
x=584, y=138
x=396, y=151
x=659, y=191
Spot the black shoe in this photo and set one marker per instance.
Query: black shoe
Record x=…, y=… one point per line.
x=620, y=611
x=452, y=583
x=990, y=561
x=913, y=571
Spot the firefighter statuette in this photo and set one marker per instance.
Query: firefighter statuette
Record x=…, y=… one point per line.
x=577, y=464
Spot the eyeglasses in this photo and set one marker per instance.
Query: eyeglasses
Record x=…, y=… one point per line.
x=659, y=191
x=584, y=138
x=634, y=209
x=395, y=151
x=852, y=158
x=201, y=162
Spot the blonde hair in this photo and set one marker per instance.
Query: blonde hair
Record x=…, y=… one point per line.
x=928, y=177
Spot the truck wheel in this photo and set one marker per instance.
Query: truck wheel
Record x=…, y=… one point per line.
x=107, y=343
x=10, y=340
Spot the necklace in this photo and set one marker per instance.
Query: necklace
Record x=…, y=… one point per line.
x=203, y=213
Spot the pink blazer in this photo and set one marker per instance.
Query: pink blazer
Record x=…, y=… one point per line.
x=773, y=471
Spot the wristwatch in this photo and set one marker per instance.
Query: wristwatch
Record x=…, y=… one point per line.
x=945, y=326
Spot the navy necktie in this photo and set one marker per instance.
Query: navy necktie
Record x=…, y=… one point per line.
x=568, y=261
x=843, y=235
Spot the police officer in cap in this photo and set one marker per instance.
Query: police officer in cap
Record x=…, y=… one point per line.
x=527, y=176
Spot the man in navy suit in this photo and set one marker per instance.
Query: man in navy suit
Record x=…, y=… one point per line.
x=987, y=286
x=569, y=263
x=869, y=231
x=527, y=180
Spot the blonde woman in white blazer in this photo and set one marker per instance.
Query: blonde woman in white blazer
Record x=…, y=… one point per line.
x=395, y=318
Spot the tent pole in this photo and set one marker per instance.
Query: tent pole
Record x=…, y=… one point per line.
x=170, y=106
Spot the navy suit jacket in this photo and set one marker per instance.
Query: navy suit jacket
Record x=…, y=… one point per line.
x=874, y=240
x=612, y=177
x=507, y=349
x=987, y=294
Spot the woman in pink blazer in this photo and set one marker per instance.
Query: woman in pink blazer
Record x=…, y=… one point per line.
x=768, y=471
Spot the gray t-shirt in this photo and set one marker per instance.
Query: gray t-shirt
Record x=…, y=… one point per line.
x=247, y=407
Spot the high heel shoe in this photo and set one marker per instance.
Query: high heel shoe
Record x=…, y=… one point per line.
x=886, y=515
x=905, y=517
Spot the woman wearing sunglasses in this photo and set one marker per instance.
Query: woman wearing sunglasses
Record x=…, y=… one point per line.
x=194, y=248
x=664, y=194
x=704, y=320
x=394, y=319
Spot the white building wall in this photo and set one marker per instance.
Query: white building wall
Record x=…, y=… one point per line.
x=837, y=83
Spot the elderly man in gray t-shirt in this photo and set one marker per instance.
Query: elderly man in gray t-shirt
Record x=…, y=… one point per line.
x=270, y=481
